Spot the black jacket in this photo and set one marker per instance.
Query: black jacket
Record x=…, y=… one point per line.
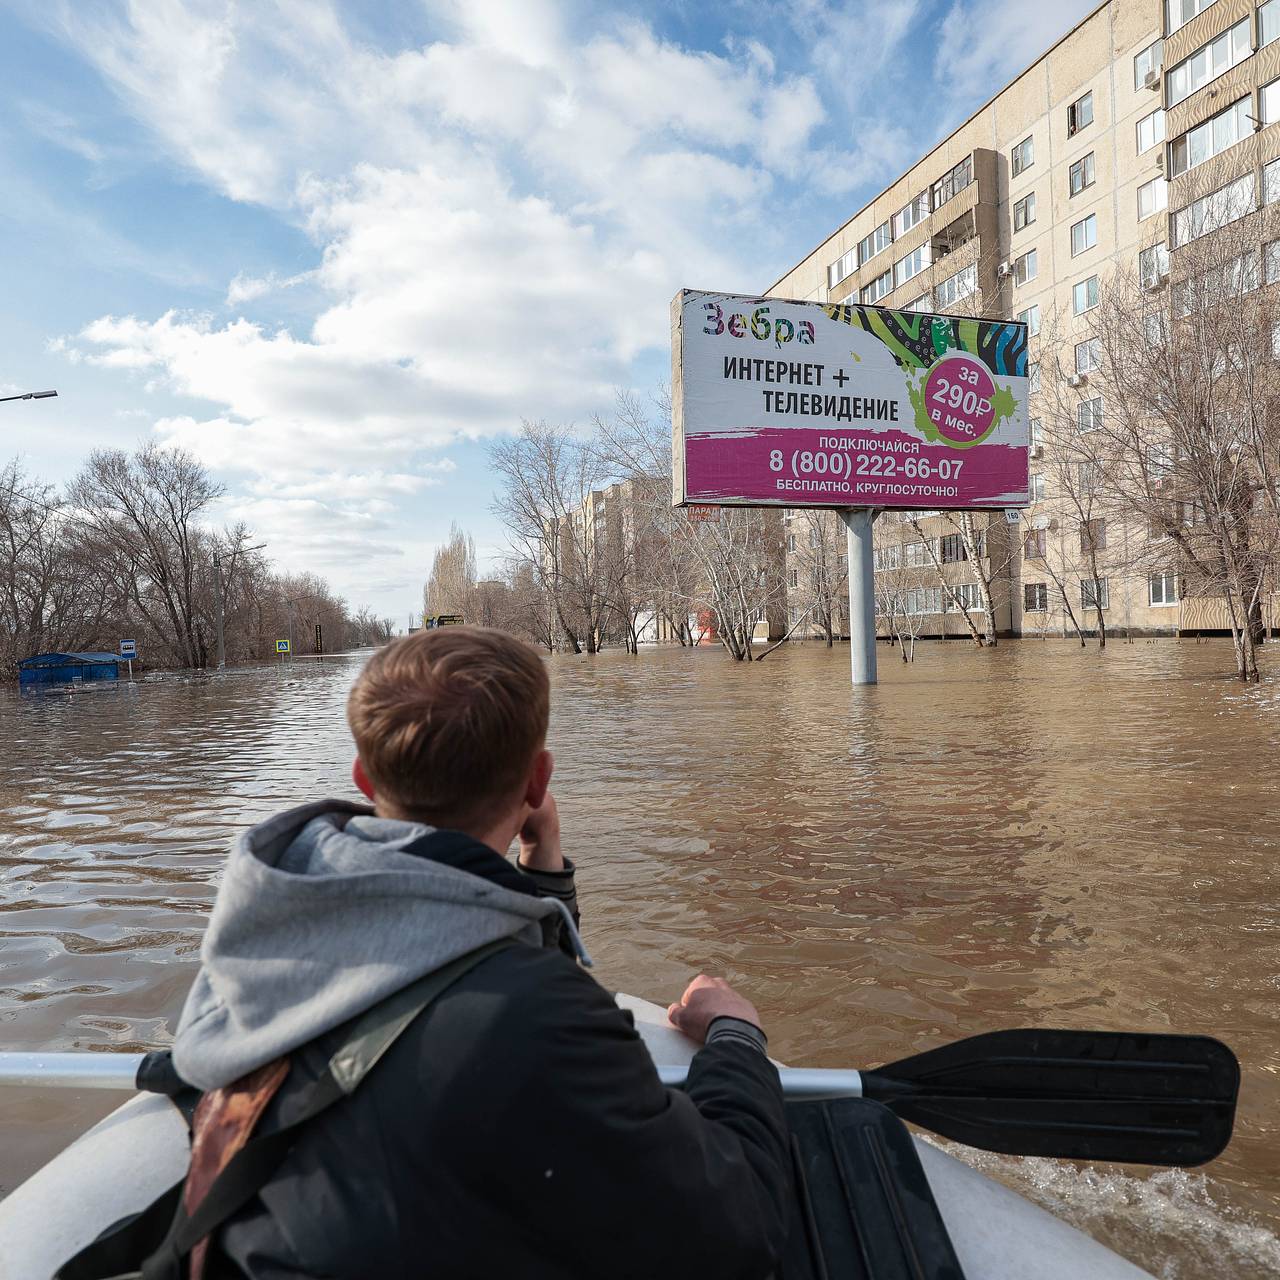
x=518, y=1129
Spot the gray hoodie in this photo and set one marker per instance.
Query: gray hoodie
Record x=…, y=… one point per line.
x=319, y=916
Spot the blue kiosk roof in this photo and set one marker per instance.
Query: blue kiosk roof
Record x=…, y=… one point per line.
x=68, y=660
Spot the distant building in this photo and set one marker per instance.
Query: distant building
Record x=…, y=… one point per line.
x=1080, y=164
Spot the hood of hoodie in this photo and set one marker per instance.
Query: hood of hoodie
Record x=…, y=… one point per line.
x=320, y=915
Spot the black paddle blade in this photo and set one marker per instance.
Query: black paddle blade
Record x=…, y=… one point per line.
x=863, y=1208
x=1083, y=1095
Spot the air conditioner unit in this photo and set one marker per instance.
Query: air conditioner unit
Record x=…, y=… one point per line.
x=1160, y=162
x=1004, y=269
x=1152, y=80
x=1077, y=379
x=1037, y=451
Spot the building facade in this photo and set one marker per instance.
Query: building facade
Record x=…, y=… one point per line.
x=1078, y=167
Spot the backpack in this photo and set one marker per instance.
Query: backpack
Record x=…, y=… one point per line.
x=169, y=1239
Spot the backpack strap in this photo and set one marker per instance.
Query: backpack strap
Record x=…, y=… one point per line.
x=362, y=1044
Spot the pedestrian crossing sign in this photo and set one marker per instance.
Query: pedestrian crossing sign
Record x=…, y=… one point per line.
x=282, y=646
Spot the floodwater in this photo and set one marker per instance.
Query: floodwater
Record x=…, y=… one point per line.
x=1035, y=835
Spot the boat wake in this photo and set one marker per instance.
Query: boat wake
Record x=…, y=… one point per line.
x=1176, y=1224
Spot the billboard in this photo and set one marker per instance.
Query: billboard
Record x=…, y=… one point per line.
x=807, y=404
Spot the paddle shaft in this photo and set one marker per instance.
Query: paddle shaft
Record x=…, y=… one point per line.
x=70, y=1070
x=120, y=1071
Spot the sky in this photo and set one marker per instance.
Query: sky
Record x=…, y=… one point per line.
x=335, y=248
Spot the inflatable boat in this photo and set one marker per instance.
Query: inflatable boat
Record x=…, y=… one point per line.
x=121, y=1164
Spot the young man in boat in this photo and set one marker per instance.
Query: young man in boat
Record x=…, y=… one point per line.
x=514, y=1127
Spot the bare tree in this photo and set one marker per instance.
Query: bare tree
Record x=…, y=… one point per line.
x=146, y=508
x=1187, y=451
x=548, y=477
x=817, y=540
x=729, y=567
x=452, y=581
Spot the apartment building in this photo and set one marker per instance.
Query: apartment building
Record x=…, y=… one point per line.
x=1080, y=164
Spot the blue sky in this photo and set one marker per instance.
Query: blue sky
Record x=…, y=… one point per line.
x=334, y=247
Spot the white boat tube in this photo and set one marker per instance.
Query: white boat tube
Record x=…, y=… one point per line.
x=121, y=1165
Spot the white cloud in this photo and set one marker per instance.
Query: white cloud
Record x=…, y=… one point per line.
x=246, y=288
x=981, y=47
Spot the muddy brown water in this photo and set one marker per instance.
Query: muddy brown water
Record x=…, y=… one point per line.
x=1031, y=836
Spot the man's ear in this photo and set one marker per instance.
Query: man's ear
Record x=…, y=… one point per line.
x=539, y=779
x=361, y=779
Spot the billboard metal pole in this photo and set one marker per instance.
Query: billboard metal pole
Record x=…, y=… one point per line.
x=862, y=593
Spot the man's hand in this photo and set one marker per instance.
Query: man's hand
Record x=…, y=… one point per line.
x=540, y=838
x=706, y=999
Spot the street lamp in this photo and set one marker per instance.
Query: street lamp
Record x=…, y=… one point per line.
x=30, y=395
x=217, y=597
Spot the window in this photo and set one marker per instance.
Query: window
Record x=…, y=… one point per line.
x=1269, y=100
x=1084, y=234
x=888, y=556
x=1036, y=544
x=877, y=242
x=1093, y=593
x=1268, y=22
x=1088, y=413
x=1031, y=318
x=842, y=268
x=1213, y=136
x=1080, y=114
x=951, y=183
x=1271, y=182
x=1033, y=377
x=1023, y=156
x=1089, y=356
x=969, y=597
x=919, y=600
x=1024, y=267
x=1035, y=597
x=1081, y=175
x=791, y=542
x=921, y=303
x=951, y=549
x=1208, y=62
x=813, y=536
x=1024, y=212
x=1084, y=295
x=1152, y=197
x=1086, y=479
x=915, y=212
x=1153, y=263
x=1150, y=130
x=1093, y=536
x=1272, y=256
x=1215, y=210
x=917, y=554
x=877, y=289
x=911, y=266
x=957, y=287
x=1162, y=589
x=1149, y=60
x=1037, y=435
x=795, y=578
x=1177, y=13
x=1037, y=487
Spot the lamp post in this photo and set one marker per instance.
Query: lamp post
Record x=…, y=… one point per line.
x=30, y=395
x=217, y=600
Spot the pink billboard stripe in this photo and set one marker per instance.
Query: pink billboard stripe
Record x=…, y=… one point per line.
x=738, y=466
